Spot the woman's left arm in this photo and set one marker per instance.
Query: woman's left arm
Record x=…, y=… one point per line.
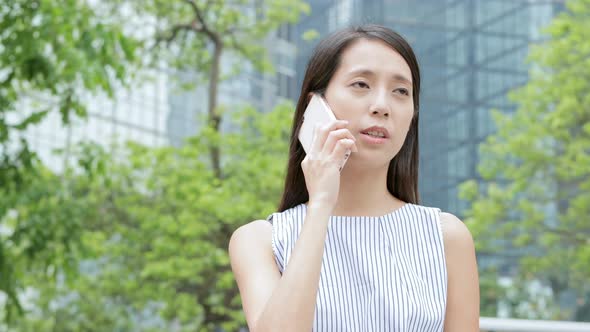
x=462, y=312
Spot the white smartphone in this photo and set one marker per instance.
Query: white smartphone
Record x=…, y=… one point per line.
x=317, y=112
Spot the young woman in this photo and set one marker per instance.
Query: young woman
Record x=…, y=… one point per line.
x=352, y=250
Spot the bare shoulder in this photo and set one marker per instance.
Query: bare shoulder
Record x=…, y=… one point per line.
x=255, y=233
x=456, y=235
x=252, y=262
x=462, y=311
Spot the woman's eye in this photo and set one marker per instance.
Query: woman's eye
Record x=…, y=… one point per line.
x=403, y=91
x=362, y=85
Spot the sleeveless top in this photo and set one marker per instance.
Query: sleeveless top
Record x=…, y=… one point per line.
x=384, y=273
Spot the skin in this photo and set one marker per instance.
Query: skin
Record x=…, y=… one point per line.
x=371, y=87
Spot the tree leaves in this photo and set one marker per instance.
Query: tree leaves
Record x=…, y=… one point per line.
x=537, y=165
x=51, y=51
x=136, y=237
x=173, y=247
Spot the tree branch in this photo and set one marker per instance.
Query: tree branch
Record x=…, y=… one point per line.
x=174, y=32
x=235, y=28
x=199, y=14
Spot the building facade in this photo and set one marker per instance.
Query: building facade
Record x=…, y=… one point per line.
x=161, y=109
x=188, y=108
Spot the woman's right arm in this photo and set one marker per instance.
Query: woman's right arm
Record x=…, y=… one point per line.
x=273, y=302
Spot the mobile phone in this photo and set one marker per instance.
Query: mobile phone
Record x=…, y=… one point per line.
x=317, y=113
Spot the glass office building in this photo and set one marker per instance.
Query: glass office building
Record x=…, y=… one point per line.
x=138, y=114
x=471, y=53
x=188, y=108
x=157, y=111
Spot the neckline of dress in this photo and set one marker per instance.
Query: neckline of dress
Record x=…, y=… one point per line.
x=389, y=214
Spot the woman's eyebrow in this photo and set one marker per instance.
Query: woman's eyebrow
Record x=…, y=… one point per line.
x=367, y=72
x=402, y=78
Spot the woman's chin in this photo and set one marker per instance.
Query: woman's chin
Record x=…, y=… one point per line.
x=364, y=163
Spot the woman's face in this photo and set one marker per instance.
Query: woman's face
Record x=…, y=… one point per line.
x=372, y=89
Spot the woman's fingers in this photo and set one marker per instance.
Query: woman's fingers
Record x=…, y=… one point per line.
x=334, y=137
x=342, y=150
x=333, y=143
x=321, y=134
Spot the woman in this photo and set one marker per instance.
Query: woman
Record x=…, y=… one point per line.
x=352, y=250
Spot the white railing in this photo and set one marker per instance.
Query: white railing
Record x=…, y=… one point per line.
x=524, y=325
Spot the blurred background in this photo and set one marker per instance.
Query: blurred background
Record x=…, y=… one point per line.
x=137, y=135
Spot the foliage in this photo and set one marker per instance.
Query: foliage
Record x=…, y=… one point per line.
x=535, y=200
x=156, y=247
x=196, y=33
x=51, y=52
x=186, y=31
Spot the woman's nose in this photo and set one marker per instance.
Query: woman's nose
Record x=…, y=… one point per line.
x=377, y=112
x=379, y=106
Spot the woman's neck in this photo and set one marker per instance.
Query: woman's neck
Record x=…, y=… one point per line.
x=364, y=192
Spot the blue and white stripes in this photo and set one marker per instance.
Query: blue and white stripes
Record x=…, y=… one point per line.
x=383, y=273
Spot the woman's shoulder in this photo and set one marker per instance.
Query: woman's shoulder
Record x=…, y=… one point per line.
x=262, y=228
x=453, y=230
x=419, y=207
x=287, y=215
x=250, y=233
x=456, y=235
x=423, y=212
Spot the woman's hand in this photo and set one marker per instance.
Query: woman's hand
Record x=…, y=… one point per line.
x=321, y=167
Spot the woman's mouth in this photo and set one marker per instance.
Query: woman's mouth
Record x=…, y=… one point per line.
x=375, y=135
x=373, y=139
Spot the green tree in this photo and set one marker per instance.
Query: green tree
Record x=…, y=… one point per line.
x=51, y=51
x=490, y=292
x=156, y=229
x=535, y=200
x=62, y=301
x=157, y=221
x=194, y=34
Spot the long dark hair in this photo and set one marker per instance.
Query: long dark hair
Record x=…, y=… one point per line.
x=402, y=175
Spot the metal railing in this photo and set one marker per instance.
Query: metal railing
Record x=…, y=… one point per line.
x=488, y=324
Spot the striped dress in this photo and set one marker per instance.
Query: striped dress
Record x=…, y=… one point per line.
x=384, y=273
